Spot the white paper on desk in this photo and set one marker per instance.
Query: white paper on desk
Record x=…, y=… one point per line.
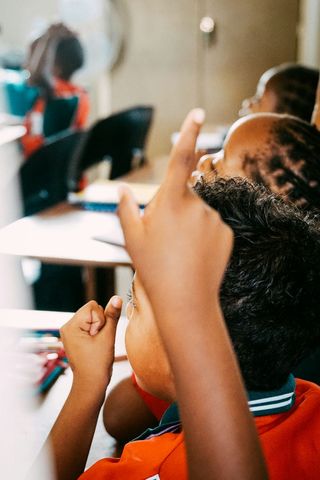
x=106, y=192
x=110, y=239
x=110, y=233
x=205, y=140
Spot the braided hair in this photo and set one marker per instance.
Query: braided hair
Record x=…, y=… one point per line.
x=295, y=89
x=291, y=167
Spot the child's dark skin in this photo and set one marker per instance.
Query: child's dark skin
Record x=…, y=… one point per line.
x=226, y=445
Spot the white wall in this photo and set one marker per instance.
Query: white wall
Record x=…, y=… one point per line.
x=19, y=18
x=166, y=64
x=23, y=20
x=309, y=33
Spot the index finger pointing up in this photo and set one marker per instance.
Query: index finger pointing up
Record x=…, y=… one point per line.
x=182, y=159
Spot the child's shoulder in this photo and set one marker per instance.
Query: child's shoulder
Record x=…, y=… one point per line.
x=290, y=442
x=158, y=456
x=302, y=418
x=307, y=390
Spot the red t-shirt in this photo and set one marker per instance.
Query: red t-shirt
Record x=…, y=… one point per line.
x=34, y=137
x=156, y=406
x=144, y=459
x=290, y=441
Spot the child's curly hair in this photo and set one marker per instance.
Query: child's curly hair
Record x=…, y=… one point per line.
x=271, y=289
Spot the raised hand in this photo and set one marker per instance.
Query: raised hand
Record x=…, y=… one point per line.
x=180, y=248
x=58, y=31
x=179, y=244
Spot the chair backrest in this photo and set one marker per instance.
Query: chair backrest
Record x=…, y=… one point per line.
x=43, y=177
x=120, y=137
x=18, y=95
x=59, y=115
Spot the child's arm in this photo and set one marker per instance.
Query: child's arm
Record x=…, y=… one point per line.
x=125, y=413
x=315, y=120
x=89, y=343
x=180, y=248
x=42, y=59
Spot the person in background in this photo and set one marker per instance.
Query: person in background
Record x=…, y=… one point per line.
x=285, y=89
x=60, y=104
x=288, y=88
x=280, y=152
x=216, y=437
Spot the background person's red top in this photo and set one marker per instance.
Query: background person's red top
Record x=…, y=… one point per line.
x=34, y=137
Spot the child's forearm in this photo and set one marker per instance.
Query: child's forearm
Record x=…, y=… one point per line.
x=71, y=436
x=88, y=340
x=196, y=341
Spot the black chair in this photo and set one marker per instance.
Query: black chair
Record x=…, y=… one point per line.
x=44, y=175
x=120, y=138
x=43, y=179
x=59, y=115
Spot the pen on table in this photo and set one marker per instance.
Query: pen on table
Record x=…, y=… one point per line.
x=114, y=243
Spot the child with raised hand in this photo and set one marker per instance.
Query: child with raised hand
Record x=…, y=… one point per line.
x=53, y=59
x=269, y=298
x=169, y=343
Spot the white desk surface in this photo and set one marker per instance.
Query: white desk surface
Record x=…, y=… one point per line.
x=11, y=133
x=65, y=235
x=47, y=407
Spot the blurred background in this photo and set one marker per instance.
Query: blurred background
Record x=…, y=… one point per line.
x=173, y=55
x=168, y=56
x=160, y=57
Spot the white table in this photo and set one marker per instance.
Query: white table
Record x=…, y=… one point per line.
x=41, y=415
x=64, y=235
